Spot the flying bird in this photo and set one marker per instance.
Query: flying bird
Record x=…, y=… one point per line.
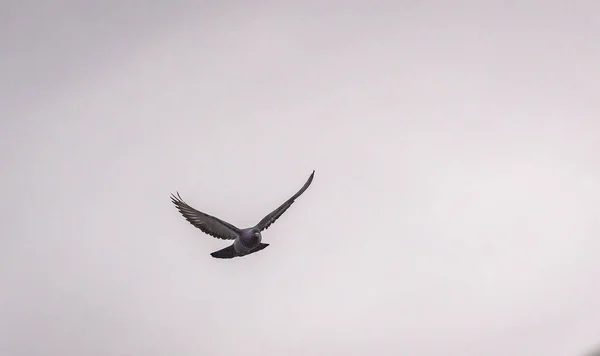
x=245, y=241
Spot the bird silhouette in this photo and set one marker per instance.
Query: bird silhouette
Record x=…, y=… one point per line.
x=245, y=241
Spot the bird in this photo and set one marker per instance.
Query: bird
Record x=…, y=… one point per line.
x=245, y=241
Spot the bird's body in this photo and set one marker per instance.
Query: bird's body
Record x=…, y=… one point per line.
x=245, y=241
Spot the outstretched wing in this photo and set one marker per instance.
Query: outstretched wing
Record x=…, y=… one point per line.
x=206, y=223
x=275, y=214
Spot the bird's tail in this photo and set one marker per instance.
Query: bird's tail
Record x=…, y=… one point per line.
x=229, y=251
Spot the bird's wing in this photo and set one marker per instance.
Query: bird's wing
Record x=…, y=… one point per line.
x=206, y=223
x=275, y=214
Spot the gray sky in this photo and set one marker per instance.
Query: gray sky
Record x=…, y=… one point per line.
x=455, y=207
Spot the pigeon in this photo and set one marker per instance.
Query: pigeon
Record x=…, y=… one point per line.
x=245, y=241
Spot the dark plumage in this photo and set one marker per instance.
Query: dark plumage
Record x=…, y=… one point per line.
x=245, y=241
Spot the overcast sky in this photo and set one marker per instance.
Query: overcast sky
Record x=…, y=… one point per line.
x=455, y=208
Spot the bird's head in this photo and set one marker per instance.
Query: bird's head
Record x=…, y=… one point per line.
x=252, y=237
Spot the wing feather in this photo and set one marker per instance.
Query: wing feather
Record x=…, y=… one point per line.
x=208, y=224
x=275, y=214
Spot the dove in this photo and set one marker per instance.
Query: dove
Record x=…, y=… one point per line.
x=245, y=241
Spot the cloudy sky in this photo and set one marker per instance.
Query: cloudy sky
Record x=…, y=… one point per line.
x=455, y=208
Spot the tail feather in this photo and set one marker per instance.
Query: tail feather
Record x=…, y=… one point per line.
x=229, y=252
